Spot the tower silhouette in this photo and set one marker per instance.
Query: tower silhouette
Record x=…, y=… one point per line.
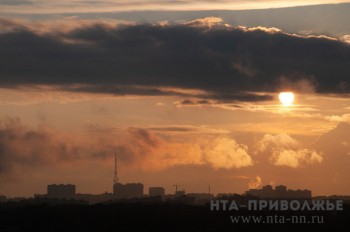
x=115, y=178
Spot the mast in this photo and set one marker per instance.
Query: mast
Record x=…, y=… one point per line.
x=115, y=179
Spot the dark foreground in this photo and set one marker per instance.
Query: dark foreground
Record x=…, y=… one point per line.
x=152, y=217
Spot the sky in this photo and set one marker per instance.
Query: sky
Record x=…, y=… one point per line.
x=60, y=6
x=189, y=97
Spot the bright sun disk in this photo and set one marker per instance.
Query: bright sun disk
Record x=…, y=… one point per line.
x=286, y=98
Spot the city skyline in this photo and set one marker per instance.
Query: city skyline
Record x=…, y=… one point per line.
x=137, y=191
x=232, y=99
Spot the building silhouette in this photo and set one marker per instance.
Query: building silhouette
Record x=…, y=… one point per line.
x=128, y=191
x=156, y=192
x=61, y=191
x=280, y=191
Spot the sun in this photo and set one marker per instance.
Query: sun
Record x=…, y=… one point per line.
x=286, y=98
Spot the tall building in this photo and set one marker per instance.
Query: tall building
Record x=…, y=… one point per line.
x=128, y=191
x=156, y=191
x=61, y=191
x=280, y=191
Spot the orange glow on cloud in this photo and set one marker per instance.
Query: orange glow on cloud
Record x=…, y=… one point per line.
x=56, y=6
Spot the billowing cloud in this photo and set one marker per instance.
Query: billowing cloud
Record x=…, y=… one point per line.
x=227, y=153
x=271, y=30
x=205, y=22
x=223, y=63
x=281, y=140
x=339, y=119
x=346, y=38
x=286, y=151
x=294, y=158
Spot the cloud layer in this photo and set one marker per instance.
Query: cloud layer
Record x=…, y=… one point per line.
x=23, y=147
x=143, y=149
x=227, y=63
x=286, y=151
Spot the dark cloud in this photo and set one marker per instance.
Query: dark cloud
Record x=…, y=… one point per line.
x=119, y=90
x=144, y=136
x=228, y=64
x=193, y=102
x=173, y=129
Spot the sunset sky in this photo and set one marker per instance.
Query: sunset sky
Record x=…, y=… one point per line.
x=59, y=6
x=186, y=96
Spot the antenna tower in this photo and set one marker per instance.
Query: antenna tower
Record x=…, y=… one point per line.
x=115, y=179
